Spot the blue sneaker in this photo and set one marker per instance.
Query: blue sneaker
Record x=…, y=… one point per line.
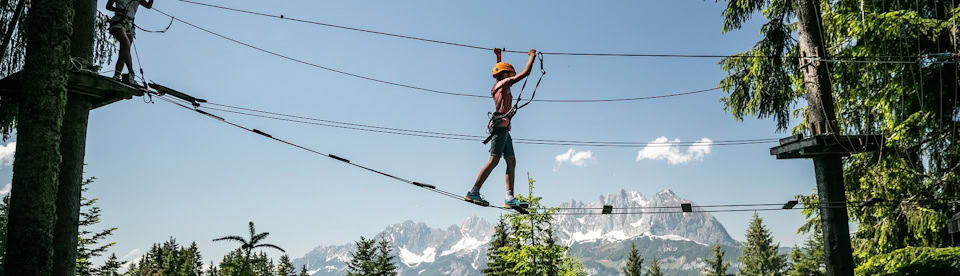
x=515, y=203
x=476, y=199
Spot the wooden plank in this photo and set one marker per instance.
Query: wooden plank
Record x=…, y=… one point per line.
x=170, y=91
x=102, y=90
x=826, y=144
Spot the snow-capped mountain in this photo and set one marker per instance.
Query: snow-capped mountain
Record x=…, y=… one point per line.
x=698, y=227
x=682, y=240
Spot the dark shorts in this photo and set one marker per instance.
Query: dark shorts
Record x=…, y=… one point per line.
x=502, y=143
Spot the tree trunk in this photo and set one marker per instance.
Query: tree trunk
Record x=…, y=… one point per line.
x=73, y=147
x=37, y=160
x=821, y=118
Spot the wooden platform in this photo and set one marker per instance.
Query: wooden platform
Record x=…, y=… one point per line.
x=102, y=90
x=798, y=146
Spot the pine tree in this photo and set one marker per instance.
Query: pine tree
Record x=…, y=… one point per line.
x=361, y=261
x=496, y=265
x=191, y=263
x=90, y=244
x=654, y=269
x=303, y=271
x=110, y=266
x=530, y=248
x=383, y=262
x=213, y=270
x=3, y=230
x=716, y=266
x=284, y=267
x=759, y=255
x=634, y=262
x=808, y=260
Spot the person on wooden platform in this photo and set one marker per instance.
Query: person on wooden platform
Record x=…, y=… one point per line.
x=122, y=28
x=501, y=145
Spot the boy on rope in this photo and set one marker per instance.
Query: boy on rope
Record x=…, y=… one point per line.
x=502, y=143
x=122, y=28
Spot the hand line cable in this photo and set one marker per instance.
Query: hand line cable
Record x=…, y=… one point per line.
x=283, y=17
x=409, y=86
x=764, y=140
x=464, y=137
x=331, y=156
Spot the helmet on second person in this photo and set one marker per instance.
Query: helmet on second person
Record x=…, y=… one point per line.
x=502, y=67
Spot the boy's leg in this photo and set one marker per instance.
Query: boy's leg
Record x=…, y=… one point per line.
x=485, y=172
x=129, y=59
x=121, y=36
x=511, y=166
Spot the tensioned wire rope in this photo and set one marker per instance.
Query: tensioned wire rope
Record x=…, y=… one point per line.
x=424, y=186
x=419, y=88
x=246, y=111
x=874, y=59
x=583, y=210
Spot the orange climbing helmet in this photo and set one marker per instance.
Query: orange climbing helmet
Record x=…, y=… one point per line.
x=501, y=67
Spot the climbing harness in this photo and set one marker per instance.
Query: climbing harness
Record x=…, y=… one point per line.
x=497, y=117
x=155, y=31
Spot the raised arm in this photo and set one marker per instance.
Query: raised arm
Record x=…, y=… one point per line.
x=526, y=70
x=111, y=6
x=146, y=3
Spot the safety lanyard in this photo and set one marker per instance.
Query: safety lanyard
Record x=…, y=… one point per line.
x=534, y=93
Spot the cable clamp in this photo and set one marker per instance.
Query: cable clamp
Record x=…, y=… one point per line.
x=338, y=158
x=208, y=114
x=257, y=131
x=428, y=186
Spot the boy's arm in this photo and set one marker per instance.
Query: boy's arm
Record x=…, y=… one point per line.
x=526, y=70
x=111, y=4
x=146, y=3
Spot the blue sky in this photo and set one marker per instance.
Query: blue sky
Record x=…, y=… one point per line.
x=164, y=172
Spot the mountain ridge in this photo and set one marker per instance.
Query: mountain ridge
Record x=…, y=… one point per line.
x=599, y=241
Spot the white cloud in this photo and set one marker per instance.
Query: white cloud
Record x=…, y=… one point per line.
x=664, y=149
x=6, y=153
x=576, y=158
x=6, y=189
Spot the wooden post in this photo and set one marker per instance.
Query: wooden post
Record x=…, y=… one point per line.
x=73, y=142
x=821, y=119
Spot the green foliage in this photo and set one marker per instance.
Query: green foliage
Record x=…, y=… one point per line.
x=284, y=267
x=759, y=255
x=4, y=208
x=634, y=266
x=912, y=103
x=372, y=258
x=383, y=262
x=303, y=271
x=261, y=264
x=762, y=87
x=90, y=243
x=496, y=264
x=530, y=248
x=913, y=261
x=110, y=266
x=361, y=260
x=169, y=258
x=716, y=266
x=654, y=269
x=808, y=260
